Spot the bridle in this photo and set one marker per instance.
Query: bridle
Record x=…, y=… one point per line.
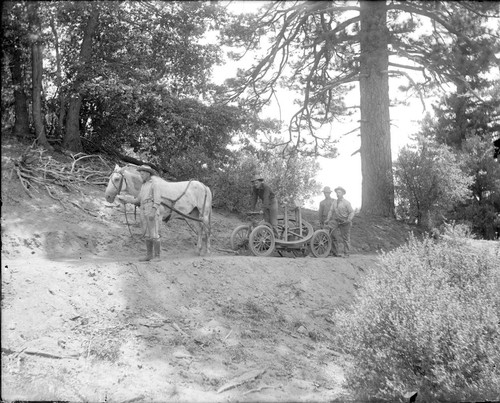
x=119, y=189
x=120, y=185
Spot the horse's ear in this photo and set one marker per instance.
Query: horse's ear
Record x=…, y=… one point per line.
x=117, y=167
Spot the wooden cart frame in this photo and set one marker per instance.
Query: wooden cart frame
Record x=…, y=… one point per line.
x=293, y=235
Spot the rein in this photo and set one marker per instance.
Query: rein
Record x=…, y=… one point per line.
x=119, y=189
x=126, y=219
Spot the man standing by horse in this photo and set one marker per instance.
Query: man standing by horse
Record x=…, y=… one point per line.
x=149, y=200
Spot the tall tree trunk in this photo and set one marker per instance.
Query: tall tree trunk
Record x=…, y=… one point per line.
x=72, y=140
x=21, y=124
x=376, y=159
x=460, y=112
x=14, y=51
x=37, y=73
x=62, y=106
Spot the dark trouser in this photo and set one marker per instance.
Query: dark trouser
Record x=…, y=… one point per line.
x=341, y=233
x=271, y=214
x=151, y=230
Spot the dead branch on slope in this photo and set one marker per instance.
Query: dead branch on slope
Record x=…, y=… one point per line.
x=35, y=169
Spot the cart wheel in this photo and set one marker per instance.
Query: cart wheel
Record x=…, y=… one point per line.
x=262, y=241
x=321, y=243
x=239, y=237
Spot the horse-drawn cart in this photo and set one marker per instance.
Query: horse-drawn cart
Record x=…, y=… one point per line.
x=293, y=235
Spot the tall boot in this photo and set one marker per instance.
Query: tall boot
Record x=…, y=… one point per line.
x=157, y=248
x=149, y=253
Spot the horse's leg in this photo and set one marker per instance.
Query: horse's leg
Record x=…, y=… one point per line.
x=209, y=233
x=195, y=215
x=201, y=250
x=206, y=232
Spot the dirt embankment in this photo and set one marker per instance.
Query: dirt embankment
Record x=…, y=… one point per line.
x=83, y=320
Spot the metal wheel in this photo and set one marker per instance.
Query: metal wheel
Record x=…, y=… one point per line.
x=261, y=241
x=239, y=237
x=321, y=243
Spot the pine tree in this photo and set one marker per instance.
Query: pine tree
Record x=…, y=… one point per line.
x=322, y=48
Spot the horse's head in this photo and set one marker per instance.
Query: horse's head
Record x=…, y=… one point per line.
x=126, y=179
x=115, y=184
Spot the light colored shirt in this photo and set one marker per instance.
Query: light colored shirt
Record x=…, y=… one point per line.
x=149, y=194
x=341, y=210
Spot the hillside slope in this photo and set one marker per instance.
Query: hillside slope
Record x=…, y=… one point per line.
x=83, y=320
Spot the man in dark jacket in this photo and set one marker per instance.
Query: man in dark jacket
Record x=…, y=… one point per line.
x=263, y=192
x=324, y=206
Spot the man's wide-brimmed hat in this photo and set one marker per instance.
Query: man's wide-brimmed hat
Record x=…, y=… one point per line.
x=257, y=178
x=327, y=189
x=147, y=168
x=341, y=189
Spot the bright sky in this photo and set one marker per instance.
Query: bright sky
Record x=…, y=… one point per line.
x=345, y=170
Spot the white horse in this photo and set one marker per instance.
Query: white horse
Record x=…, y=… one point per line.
x=191, y=199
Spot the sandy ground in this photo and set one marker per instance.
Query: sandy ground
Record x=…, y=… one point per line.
x=83, y=320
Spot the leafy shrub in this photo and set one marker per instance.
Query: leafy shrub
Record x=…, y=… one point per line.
x=231, y=186
x=483, y=216
x=458, y=230
x=428, y=182
x=426, y=320
x=291, y=176
x=482, y=209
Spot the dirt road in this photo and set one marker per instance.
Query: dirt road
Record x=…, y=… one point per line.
x=83, y=320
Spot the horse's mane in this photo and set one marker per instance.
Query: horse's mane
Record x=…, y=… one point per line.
x=133, y=166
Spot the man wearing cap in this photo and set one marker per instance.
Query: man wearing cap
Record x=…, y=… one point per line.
x=149, y=200
x=339, y=219
x=324, y=206
x=263, y=192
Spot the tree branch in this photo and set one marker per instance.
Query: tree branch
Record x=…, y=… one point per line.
x=432, y=16
x=403, y=73
x=404, y=66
